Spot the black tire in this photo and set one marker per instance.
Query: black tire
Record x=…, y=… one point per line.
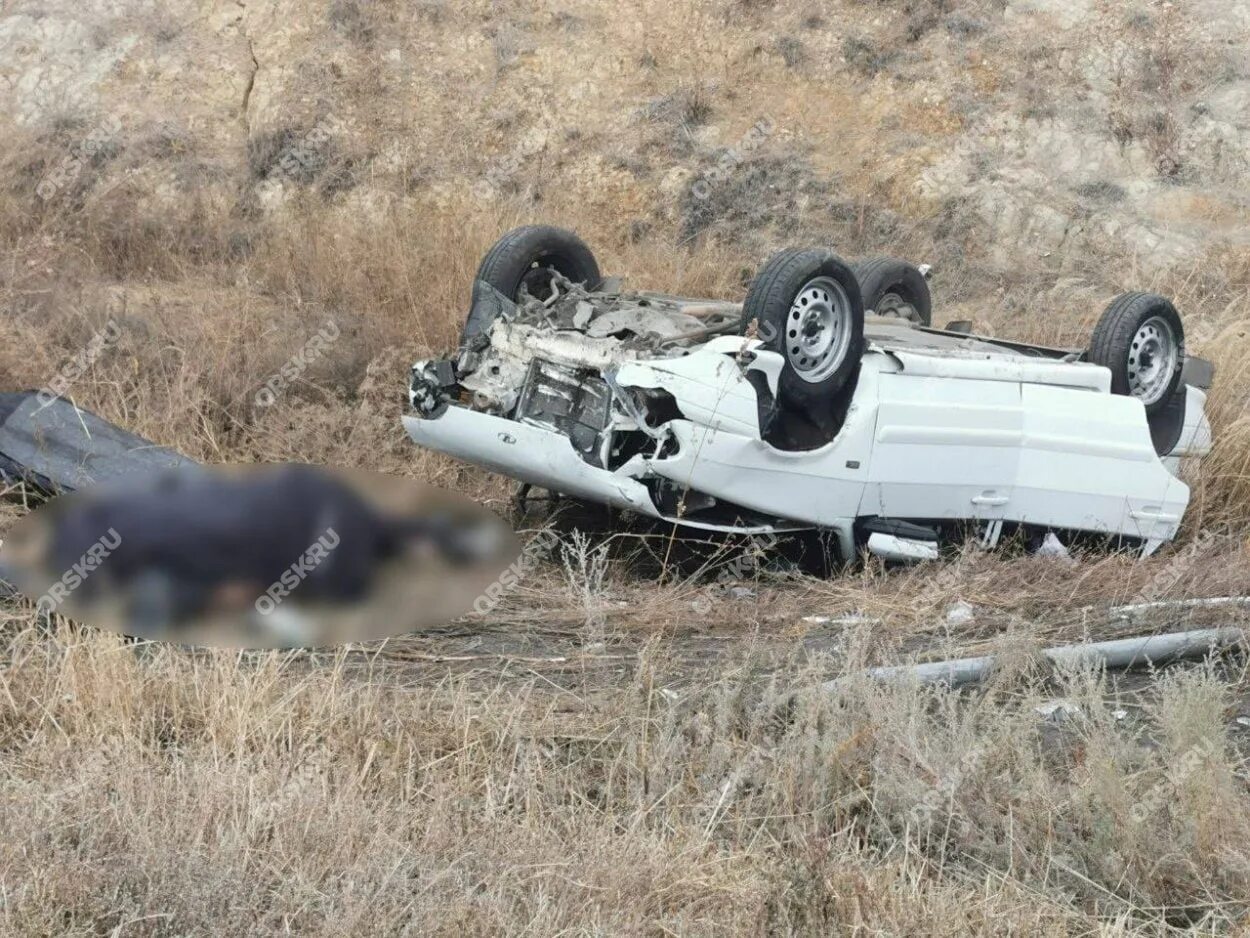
x=901, y=284
x=526, y=256
x=774, y=291
x=1116, y=340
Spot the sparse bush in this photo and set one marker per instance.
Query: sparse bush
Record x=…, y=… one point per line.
x=965, y=27
x=509, y=45
x=791, y=51
x=353, y=19
x=758, y=193
x=1101, y=192
x=686, y=106
x=1152, y=80
x=432, y=11
x=866, y=56
x=266, y=149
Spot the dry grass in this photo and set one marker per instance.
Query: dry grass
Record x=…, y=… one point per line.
x=153, y=792
x=163, y=793
x=609, y=752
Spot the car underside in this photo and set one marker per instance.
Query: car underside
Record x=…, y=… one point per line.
x=803, y=408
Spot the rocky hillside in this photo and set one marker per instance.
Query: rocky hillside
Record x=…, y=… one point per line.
x=1039, y=127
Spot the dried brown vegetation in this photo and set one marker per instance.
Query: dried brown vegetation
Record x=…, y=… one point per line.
x=598, y=756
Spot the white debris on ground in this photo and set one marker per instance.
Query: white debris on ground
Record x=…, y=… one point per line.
x=1053, y=547
x=851, y=618
x=1178, y=605
x=961, y=613
x=1057, y=711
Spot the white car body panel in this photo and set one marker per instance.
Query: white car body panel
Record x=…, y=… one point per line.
x=1009, y=368
x=1196, y=436
x=532, y=454
x=707, y=385
x=956, y=432
x=544, y=458
x=945, y=446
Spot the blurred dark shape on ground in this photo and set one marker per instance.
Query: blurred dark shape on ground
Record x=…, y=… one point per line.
x=262, y=556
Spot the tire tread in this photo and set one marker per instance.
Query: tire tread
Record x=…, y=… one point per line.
x=872, y=269
x=509, y=258
x=516, y=245
x=773, y=289
x=1114, y=334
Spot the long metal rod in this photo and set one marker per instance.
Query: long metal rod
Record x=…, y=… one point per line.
x=1120, y=653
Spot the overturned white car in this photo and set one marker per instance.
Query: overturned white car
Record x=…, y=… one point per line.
x=797, y=410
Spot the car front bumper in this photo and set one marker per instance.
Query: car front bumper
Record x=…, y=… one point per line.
x=547, y=459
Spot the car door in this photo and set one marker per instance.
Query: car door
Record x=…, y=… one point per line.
x=945, y=448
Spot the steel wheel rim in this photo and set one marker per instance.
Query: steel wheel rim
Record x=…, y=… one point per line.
x=818, y=329
x=893, y=306
x=1152, y=360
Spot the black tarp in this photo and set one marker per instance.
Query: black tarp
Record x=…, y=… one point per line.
x=58, y=447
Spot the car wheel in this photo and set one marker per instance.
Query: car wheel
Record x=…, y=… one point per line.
x=523, y=261
x=1141, y=339
x=808, y=306
x=894, y=288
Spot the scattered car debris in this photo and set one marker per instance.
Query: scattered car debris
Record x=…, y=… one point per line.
x=57, y=447
x=1053, y=547
x=795, y=410
x=850, y=619
x=1057, y=711
x=1177, y=605
x=961, y=613
x=903, y=550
